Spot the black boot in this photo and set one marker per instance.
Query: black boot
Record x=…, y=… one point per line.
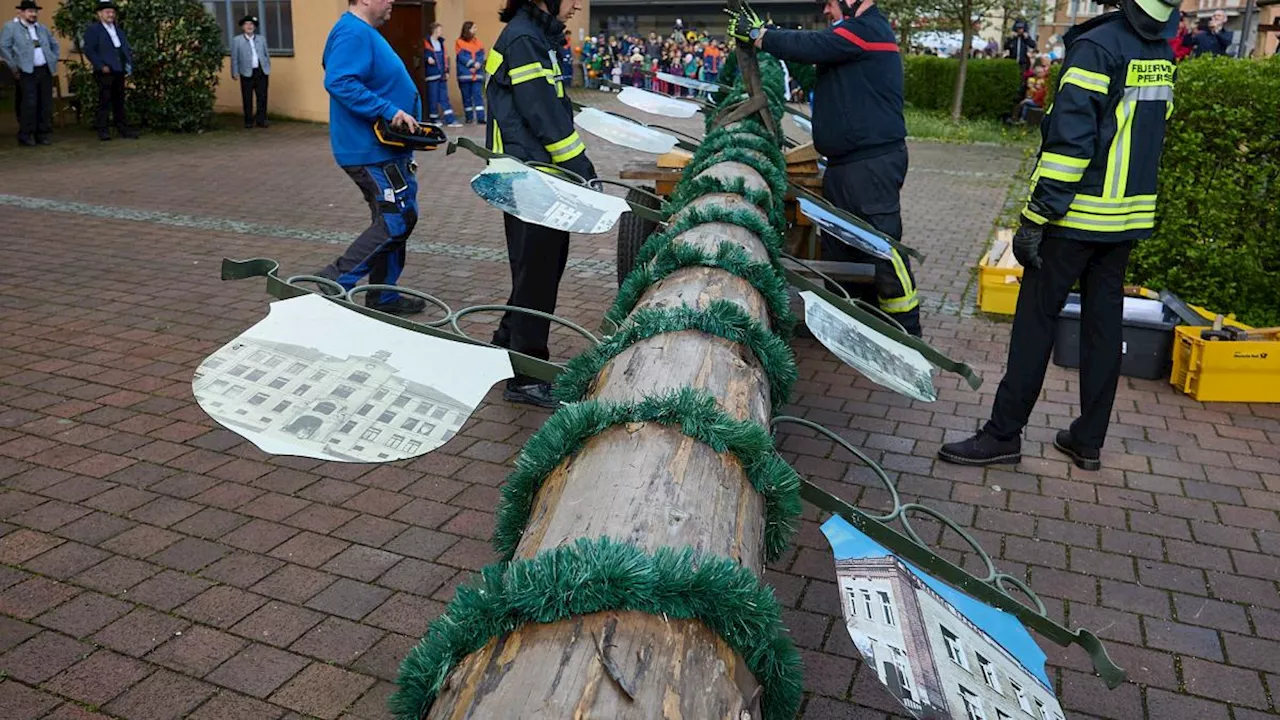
x=1084, y=458
x=530, y=393
x=403, y=305
x=983, y=449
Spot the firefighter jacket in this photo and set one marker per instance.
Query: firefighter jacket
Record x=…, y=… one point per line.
x=1095, y=179
x=530, y=116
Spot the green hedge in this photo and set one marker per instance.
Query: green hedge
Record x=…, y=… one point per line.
x=1217, y=239
x=991, y=87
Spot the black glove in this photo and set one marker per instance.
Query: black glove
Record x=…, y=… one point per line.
x=1026, y=244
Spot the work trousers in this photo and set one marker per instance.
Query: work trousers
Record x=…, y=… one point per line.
x=110, y=98
x=1099, y=266
x=870, y=188
x=35, y=104
x=538, y=256
x=379, y=252
x=439, y=109
x=251, y=87
x=472, y=99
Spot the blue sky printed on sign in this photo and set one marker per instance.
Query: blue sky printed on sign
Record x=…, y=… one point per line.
x=849, y=543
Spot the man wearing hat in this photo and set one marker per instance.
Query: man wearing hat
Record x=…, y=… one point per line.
x=1020, y=44
x=251, y=64
x=31, y=52
x=108, y=51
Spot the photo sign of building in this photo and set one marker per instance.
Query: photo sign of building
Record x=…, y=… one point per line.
x=941, y=653
x=317, y=380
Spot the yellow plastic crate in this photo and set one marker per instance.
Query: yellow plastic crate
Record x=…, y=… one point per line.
x=999, y=277
x=1225, y=371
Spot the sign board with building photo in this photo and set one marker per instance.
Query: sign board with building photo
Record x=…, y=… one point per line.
x=539, y=198
x=314, y=379
x=882, y=360
x=656, y=104
x=624, y=132
x=941, y=653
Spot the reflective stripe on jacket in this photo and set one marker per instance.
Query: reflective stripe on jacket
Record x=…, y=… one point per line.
x=530, y=116
x=1095, y=178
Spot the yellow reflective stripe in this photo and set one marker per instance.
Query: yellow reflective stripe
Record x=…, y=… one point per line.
x=1061, y=167
x=1113, y=206
x=1107, y=223
x=1117, y=175
x=559, y=87
x=902, y=304
x=566, y=149
x=525, y=73
x=1087, y=79
x=1034, y=216
x=493, y=62
x=497, y=136
x=909, y=299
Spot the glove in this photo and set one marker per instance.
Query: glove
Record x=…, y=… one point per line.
x=1026, y=244
x=742, y=23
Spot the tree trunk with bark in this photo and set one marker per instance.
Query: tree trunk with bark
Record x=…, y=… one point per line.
x=966, y=46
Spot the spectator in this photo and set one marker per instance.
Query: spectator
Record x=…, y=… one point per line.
x=470, y=58
x=1183, y=41
x=31, y=52
x=439, y=108
x=1037, y=90
x=1020, y=45
x=1212, y=39
x=251, y=65
x=108, y=51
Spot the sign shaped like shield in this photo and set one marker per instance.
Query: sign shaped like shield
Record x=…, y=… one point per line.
x=624, y=132
x=803, y=123
x=939, y=652
x=314, y=379
x=884, y=361
x=689, y=83
x=860, y=237
x=656, y=104
x=538, y=197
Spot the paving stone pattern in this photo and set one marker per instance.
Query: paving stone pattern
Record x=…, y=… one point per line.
x=154, y=565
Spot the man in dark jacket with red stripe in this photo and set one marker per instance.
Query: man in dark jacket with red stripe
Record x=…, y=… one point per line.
x=858, y=126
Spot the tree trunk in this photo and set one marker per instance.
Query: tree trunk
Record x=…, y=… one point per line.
x=966, y=45
x=653, y=486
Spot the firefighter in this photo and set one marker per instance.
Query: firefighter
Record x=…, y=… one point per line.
x=1093, y=195
x=858, y=125
x=531, y=118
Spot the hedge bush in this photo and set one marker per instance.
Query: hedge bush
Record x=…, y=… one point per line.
x=1217, y=239
x=177, y=53
x=991, y=86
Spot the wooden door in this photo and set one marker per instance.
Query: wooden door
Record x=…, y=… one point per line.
x=405, y=31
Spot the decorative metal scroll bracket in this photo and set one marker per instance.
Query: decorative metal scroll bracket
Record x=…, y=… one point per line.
x=287, y=288
x=992, y=589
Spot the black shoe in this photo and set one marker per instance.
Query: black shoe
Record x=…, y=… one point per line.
x=263, y=124
x=248, y=126
x=44, y=140
x=26, y=142
x=536, y=393
x=403, y=305
x=1084, y=458
x=983, y=449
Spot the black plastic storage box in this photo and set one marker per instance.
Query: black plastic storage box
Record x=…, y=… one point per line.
x=1148, y=337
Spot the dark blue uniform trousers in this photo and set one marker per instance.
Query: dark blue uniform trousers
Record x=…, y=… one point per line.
x=379, y=252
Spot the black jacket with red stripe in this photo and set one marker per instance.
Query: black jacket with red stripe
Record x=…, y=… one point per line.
x=857, y=103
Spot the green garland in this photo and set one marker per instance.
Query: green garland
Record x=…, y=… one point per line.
x=769, y=237
x=603, y=575
x=728, y=257
x=694, y=413
x=696, y=187
x=777, y=179
x=721, y=318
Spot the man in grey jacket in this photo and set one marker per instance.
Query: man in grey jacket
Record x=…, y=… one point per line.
x=31, y=52
x=251, y=64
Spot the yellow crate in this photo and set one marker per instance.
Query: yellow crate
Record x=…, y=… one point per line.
x=999, y=277
x=1225, y=371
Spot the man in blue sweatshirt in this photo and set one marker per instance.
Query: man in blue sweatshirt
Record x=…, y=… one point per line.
x=366, y=82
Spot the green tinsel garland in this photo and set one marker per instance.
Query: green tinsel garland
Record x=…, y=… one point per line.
x=601, y=575
x=728, y=257
x=696, y=414
x=696, y=187
x=749, y=133
x=721, y=318
x=769, y=237
x=777, y=179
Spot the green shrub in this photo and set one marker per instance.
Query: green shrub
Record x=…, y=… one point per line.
x=991, y=86
x=177, y=53
x=1217, y=239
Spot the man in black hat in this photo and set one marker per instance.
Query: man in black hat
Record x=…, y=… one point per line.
x=31, y=52
x=251, y=64
x=1020, y=44
x=108, y=51
x=531, y=118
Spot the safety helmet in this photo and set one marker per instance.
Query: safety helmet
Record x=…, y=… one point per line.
x=1019, y=24
x=1150, y=18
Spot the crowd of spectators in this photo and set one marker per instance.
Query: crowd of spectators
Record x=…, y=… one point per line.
x=632, y=60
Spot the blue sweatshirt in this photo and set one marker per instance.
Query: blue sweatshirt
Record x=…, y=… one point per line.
x=366, y=80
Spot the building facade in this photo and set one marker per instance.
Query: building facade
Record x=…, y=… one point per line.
x=932, y=657
x=353, y=409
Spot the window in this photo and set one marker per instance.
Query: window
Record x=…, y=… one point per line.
x=255, y=376
x=448, y=435
x=395, y=441
x=279, y=382
x=989, y=673
x=853, y=603
x=955, y=650
x=1041, y=712
x=866, y=603
x=351, y=425
x=284, y=405
x=258, y=399
x=343, y=391
x=300, y=390
x=326, y=408
x=266, y=420
x=387, y=416
x=1002, y=715
x=900, y=662
x=424, y=407
x=213, y=363
x=371, y=434
x=358, y=377
x=972, y=705
x=276, y=18
x=886, y=606
x=380, y=394
x=409, y=424
x=365, y=410
x=258, y=356
x=319, y=375
x=220, y=384
x=426, y=428
x=273, y=361
x=412, y=446
x=239, y=370
x=401, y=401
x=296, y=368
x=439, y=413
x=1022, y=697
x=234, y=391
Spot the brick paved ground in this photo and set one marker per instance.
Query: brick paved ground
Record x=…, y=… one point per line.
x=154, y=565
